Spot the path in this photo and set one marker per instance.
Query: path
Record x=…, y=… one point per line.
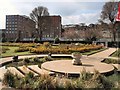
x=8, y=59
x=98, y=57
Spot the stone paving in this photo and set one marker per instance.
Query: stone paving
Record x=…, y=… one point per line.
x=104, y=54
x=100, y=56
x=66, y=67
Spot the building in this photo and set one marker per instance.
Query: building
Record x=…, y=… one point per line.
x=50, y=27
x=19, y=27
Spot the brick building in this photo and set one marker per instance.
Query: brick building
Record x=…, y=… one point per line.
x=23, y=28
x=19, y=26
x=50, y=26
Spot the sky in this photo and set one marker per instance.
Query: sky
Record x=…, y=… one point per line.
x=71, y=11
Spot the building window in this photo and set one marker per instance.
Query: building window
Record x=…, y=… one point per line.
x=15, y=25
x=7, y=25
x=12, y=28
x=12, y=25
x=12, y=22
x=7, y=22
x=15, y=22
x=12, y=31
x=15, y=28
x=7, y=19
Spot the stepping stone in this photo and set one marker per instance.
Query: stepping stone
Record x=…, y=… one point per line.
x=26, y=70
x=14, y=71
x=40, y=71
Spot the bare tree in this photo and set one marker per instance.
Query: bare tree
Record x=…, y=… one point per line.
x=70, y=34
x=92, y=32
x=108, y=13
x=35, y=16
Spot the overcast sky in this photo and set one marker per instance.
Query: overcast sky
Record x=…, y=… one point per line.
x=71, y=11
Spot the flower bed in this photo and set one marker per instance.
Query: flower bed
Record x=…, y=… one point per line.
x=65, y=50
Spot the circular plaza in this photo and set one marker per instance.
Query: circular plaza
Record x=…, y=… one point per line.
x=66, y=67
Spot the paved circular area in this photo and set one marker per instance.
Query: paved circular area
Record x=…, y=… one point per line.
x=65, y=66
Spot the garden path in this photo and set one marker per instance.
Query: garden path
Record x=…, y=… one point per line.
x=100, y=56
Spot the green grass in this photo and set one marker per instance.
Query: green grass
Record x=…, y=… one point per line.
x=94, y=51
x=12, y=53
x=116, y=54
x=111, y=61
x=114, y=77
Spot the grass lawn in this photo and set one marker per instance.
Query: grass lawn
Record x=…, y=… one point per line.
x=94, y=51
x=116, y=54
x=111, y=61
x=12, y=53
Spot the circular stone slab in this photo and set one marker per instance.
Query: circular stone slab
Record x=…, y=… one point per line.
x=66, y=66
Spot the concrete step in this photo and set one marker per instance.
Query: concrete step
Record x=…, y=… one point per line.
x=14, y=71
x=26, y=70
x=40, y=71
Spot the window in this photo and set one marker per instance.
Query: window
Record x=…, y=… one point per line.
x=12, y=31
x=7, y=22
x=7, y=19
x=15, y=28
x=12, y=28
x=15, y=25
x=7, y=25
x=15, y=22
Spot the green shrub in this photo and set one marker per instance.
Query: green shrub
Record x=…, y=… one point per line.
x=27, y=82
x=9, y=79
x=84, y=75
x=111, y=61
x=48, y=58
x=56, y=40
x=116, y=54
x=17, y=40
x=35, y=40
x=105, y=83
x=26, y=60
x=44, y=82
x=36, y=59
